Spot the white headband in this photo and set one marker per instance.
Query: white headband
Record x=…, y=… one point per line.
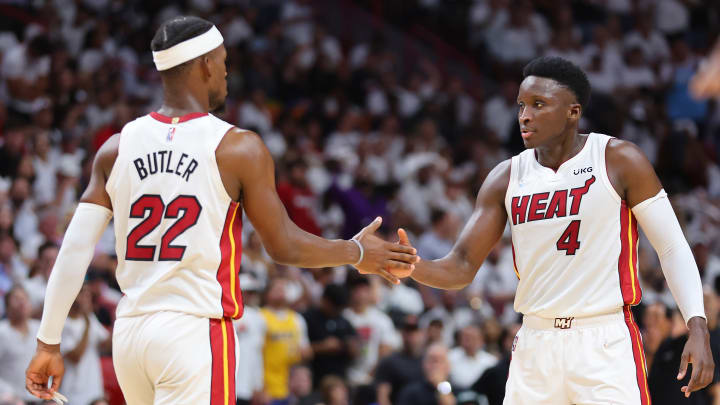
x=187, y=50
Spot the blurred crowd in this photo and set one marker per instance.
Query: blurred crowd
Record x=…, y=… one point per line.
x=369, y=108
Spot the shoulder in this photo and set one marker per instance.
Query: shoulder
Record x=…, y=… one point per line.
x=239, y=141
x=499, y=176
x=107, y=154
x=621, y=150
x=624, y=157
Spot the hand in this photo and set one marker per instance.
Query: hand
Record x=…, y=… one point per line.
x=47, y=362
x=697, y=351
x=706, y=82
x=382, y=257
x=405, y=241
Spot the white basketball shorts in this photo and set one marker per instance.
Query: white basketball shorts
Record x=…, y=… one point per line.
x=175, y=358
x=579, y=361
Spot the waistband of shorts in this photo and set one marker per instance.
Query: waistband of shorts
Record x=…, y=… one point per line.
x=571, y=322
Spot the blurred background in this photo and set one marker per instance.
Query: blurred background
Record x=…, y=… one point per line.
x=369, y=107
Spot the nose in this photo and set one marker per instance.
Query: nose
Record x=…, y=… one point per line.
x=524, y=116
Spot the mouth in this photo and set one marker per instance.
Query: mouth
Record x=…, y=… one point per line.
x=527, y=133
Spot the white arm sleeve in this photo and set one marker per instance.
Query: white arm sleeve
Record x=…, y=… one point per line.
x=657, y=218
x=68, y=273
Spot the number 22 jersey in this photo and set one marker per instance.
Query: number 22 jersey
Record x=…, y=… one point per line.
x=574, y=239
x=178, y=232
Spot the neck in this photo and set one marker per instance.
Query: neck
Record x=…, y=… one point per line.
x=553, y=155
x=358, y=308
x=179, y=100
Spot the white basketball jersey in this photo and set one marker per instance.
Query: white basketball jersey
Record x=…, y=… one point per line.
x=574, y=240
x=178, y=232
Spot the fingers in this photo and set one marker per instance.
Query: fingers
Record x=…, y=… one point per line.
x=683, y=366
x=35, y=385
x=389, y=277
x=397, y=265
x=702, y=374
x=396, y=247
x=404, y=240
x=403, y=257
x=374, y=225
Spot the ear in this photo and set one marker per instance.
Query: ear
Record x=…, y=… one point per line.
x=205, y=66
x=575, y=111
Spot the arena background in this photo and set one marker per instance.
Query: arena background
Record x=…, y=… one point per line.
x=369, y=107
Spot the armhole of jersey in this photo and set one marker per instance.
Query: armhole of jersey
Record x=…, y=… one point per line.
x=604, y=174
x=216, y=170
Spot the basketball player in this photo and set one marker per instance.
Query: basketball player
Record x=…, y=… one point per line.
x=573, y=202
x=175, y=181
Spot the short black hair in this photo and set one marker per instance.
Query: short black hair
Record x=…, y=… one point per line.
x=562, y=71
x=177, y=30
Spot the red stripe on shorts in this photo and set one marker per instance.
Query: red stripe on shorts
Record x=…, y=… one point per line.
x=638, y=355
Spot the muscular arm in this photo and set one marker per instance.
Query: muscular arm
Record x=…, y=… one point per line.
x=481, y=233
x=245, y=157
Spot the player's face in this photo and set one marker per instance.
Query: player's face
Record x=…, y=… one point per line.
x=545, y=110
x=218, y=84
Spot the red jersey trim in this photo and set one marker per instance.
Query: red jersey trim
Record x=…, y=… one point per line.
x=176, y=120
x=229, y=269
x=628, y=260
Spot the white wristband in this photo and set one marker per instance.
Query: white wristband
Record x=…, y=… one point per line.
x=362, y=251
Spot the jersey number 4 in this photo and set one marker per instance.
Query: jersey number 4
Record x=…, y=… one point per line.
x=152, y=205
x=569, y=240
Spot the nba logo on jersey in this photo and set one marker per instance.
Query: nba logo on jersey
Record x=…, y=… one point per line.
x=170, y=134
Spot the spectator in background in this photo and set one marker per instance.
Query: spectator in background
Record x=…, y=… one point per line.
x=251, y=330
x=25, y=69
x=399, y=369
x=301, y=392
x=333, y=339
x=299, y=200
x=469, y=361
x=492, y=382
x=375, y=331
x=82, y=340
x=433, y=388
x=17, y=342
x=11, y=268
x=36, y=284
x=286, y=341
x=437, y=241
x=334, y=391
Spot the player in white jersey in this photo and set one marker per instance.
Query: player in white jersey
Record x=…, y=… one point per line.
x=175, y=182
x=573, y=202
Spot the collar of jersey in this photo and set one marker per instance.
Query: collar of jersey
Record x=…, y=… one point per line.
x=176, y=120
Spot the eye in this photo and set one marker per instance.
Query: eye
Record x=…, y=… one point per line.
x=539, y=104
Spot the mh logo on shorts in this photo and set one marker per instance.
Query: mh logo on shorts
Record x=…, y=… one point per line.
x=564, y=323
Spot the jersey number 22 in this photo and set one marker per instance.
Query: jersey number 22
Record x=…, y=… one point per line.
x=153, y=204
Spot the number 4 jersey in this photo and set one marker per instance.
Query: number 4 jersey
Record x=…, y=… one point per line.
x=574, y=239
x=178, y=232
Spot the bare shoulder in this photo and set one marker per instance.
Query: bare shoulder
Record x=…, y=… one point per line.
x=621, y=151
x=630, y=172
x=239, y=143
x=107, y=154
